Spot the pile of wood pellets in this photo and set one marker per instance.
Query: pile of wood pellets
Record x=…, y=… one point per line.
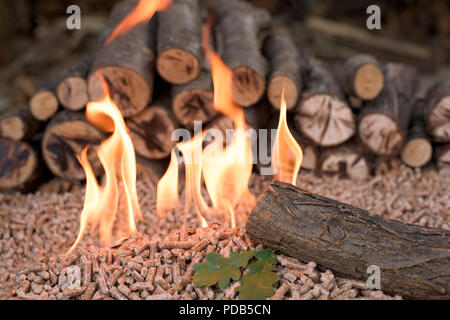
x=36, y=230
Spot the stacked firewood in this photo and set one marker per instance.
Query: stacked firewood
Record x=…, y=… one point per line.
x=347, y=121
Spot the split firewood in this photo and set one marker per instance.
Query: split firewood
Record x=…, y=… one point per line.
x=193, y=101
x=322, y=114
x=443, y=156
x=179, y=42
x=418, y=150
x=72, y=88
x=44, y=103
x=67, y=134
x=383, y=122
x=286, y=68
x=126, y=63
x=18, y=124
x=151, y=130
x=19, y=166
x=148, y=169
x=242, y=28
x=361, y=76
x=347, y=240
x=437, y=111
x=345, y=160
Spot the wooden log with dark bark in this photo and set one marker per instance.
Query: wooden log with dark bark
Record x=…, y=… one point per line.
x=179, y=42
x=405, y=77
x=418, y=149
x=67, y=134
x=126, y=63
x=345, y=160
x=150, y=170
x=414, y=261
x=44, y=103
x=361, y=76
x=151, y=130
x=19, y=166
x=59, y=185
x=193, y=101
x=241, y=28
x=285, y=68
x=18, y=124
x=443, y=156
x=72, y=88
x=322, y=114
x=437, y=111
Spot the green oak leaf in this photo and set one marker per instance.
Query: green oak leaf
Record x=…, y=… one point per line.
x=220, y=270
x=257, y=284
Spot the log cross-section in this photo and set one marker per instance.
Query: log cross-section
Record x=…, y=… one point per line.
x=414, y=261
x=438, y=110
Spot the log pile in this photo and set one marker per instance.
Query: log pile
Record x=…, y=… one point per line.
x=347, y=119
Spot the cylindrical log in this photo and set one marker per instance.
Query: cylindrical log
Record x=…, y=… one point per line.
x=18, y=124
x=361, y=76
x=193, y=101
x=44, y=103
x=418, y=150
x=322, y=114
x=443, y=156
x=19, y=166
x=151, y=170
x=126, y=63
x=345, y=160
x=405, y=77
x=179, y=42
x=67, y=134
x=58, y=185
x=256, y=116
x=413, y=260
x=437, y=111
x=151, y=130
x=72, y=88
x=240, y=26
x=285, y=68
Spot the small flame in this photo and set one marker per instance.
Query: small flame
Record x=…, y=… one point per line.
x=143, y=12
x=287, y=156
x=167, y=195
x=117, y=157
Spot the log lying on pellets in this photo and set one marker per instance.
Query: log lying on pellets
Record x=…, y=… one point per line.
x=414, y=260
x=19, y=166
x=72, y=88
x=418, y=149
x=148, y=169
x=126, y=63
x=151, y=130
x=193, y=101
x=67, y=134
x=361, y=76
x=179, y=42
x=241, y=28
x=443, y=156
x=18, y=124
x=322, y=114
x=286, y=68
x=437, y=114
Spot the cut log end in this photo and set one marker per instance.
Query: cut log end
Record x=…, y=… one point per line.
x=369, y=81
x=325, y=119
x=290, y=92
x=18, y=163
x=177, y=66
x=248, y=86
x=127, y=88
x=12, y=128
x=193, y=105
x=346, y=164
x=417, y=152
x=43, y=105
x=381, y=134
x=72, y=93
x=439, y=120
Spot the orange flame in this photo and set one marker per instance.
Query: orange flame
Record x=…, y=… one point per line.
x=287, y=156
x=117, y=157
x=143, y=12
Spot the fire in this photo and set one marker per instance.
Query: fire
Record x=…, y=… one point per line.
x=117, y=157
x=287, y=156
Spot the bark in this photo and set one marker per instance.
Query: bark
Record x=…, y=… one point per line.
x=72, y=88
x=150, y=170
x=19, y=124
x=241, y=27
x=414, y=261
x=322, y=114
x=437, y=111
x=64, y=138
x=179, y=42
x=443, y=156
x=126, y=63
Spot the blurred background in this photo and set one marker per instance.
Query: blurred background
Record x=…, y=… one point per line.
x=34, y=39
